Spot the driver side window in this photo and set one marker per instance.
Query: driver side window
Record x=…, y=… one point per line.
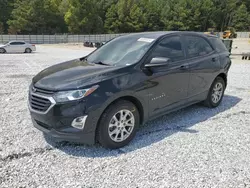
x=169, y=47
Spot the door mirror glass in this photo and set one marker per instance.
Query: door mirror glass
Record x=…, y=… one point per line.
x=158, y=62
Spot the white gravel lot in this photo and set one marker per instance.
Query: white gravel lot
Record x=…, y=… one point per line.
x=194, y=147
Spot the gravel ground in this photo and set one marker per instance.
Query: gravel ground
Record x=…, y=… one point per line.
x=194, y=147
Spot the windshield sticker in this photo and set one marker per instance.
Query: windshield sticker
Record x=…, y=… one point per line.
x=146, y=40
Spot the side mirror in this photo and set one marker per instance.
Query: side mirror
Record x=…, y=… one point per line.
x=158, y=62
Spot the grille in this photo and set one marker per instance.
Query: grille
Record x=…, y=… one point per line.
x=39, y=103
x=43, y=91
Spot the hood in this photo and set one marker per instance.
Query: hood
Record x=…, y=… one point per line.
x=2, y=45
x=72, y=75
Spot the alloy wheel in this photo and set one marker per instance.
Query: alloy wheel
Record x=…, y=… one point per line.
x=121, y=125
x=217, y=92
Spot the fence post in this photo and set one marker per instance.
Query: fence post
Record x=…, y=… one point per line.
x=2, y=38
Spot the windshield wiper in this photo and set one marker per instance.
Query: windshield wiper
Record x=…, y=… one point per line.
x=101, y=63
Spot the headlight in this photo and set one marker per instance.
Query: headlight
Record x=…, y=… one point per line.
x=64, y=96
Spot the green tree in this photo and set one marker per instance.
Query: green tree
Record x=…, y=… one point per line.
x=125, y=16
x=37, y=17
x=82, y=17
x=152, y=14
x=241, y=20
x=6, y=7
x=113, y=16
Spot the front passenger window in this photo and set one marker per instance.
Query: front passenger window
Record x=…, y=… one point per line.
x=169, y=47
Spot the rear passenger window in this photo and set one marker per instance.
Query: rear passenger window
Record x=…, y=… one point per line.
x=218, y=44
x=17, y=43
x=197, y=46
x=169, y=47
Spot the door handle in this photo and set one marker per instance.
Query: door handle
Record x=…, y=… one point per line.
x=184, y=67
x=214, y=59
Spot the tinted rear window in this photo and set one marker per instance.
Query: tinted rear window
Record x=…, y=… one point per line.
x=218, y=44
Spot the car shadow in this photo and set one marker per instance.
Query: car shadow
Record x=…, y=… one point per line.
x=153, y=131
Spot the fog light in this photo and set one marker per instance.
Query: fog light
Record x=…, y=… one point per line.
x=79, y=122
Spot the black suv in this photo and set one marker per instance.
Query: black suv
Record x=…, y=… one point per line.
x=105, y=96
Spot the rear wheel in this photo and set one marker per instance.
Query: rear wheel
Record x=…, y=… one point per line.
x=2, y=50
x=118, y=125
x=216, y=93
x=28, y=50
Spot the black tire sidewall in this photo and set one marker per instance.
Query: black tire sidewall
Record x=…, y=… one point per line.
x=209, y=99
x=102, y=132
x=4, y=51
x=28, y=50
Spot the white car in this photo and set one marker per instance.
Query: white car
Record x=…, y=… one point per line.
x=17, y=46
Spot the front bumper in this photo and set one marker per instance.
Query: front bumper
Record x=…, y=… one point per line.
x=66, y=134
x=57, y=121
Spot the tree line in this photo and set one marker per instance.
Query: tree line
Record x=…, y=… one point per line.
x=121, y=16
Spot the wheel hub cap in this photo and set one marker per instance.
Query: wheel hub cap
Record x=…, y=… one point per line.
x=217, y=92
x=121, y=125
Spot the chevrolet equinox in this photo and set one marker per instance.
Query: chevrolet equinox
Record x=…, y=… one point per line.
x=105, y=96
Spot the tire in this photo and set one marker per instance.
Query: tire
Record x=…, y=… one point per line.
x=28, y=50
x=109, y=131
x=212, y=101
x=2, y=51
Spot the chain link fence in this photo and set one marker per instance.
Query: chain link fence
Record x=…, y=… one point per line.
x=65, y=38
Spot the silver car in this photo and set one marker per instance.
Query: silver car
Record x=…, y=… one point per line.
x=17, y=46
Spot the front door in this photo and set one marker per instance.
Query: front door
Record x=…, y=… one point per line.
x=168, y=85
x=13, y=47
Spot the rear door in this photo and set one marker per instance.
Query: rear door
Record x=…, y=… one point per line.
x=22, y=46
x=168, y=85
x=204, y=65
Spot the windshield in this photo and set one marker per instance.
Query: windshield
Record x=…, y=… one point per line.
x=121, y=51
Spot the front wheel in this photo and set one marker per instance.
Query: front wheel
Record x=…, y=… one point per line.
x=2, y=51
x=216, y=93
x=118, y=125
